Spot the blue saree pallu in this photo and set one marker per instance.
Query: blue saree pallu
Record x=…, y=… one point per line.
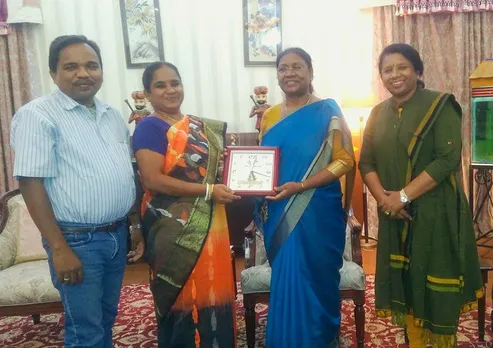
x=305, y=234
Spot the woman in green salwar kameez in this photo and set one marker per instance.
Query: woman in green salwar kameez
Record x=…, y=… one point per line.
x=427, y=262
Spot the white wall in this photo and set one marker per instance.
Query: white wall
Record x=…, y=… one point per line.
x=205, y=40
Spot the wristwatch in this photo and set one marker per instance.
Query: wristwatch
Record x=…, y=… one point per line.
x=404, y=198
x=136, y=227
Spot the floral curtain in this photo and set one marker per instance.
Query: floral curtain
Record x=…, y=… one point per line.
x=4, y=27
x=451, y=45
x=409, y=7
x=16, y=87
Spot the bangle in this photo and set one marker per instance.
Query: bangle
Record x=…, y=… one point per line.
x=208, y=192
x=136, y=227
x=302, y=185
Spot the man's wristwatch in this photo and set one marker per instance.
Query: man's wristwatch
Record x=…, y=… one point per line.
x=404, y=198
x=136, y=227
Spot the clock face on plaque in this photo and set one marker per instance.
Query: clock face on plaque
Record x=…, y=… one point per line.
x=252, y=171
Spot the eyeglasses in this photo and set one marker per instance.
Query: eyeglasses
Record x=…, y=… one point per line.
x=295, y=69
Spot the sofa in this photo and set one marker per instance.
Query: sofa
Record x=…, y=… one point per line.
x=25, y=283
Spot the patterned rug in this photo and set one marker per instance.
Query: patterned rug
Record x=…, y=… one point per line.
x=135, y=325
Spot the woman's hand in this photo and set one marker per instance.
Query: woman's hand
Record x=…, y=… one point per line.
x=223, y=194
x=403, y=215
x=286, y=191
x=390, y=204
x=222, y=159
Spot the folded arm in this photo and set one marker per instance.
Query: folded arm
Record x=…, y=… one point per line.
x=342, y=163
x=447, y=139
x=152, y=176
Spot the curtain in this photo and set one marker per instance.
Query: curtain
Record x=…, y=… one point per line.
x=16, y=89
x=408, y=7
x=4, y=27
x=451, y=45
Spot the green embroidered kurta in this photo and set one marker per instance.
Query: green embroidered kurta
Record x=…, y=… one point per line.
x=428, y=267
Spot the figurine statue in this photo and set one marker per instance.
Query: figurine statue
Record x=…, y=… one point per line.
x=261, y=105
x=140, y=107
x=233, y=139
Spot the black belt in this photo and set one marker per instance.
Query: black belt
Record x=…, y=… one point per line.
x=103, y=228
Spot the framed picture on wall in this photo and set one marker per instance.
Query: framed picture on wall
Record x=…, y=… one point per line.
x=142, y=34
x=261, y=32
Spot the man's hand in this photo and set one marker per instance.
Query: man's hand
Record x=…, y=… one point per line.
x=138, y=245
x=67, y=266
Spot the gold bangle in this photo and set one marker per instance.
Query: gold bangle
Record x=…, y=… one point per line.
x=212, y=189
x=302, y=185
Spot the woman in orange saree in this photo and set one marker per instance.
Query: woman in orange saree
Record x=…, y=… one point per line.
x=184, y=218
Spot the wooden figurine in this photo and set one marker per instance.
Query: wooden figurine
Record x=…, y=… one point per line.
x=140, y=107
x=260, y=106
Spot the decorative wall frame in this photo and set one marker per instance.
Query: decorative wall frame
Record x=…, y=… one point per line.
x=261, y=32
x=142, y=33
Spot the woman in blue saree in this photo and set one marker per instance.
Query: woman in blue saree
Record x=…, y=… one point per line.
x=304, y=224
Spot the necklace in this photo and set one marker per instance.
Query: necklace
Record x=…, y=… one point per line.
x=286, y=105
x=170, y=120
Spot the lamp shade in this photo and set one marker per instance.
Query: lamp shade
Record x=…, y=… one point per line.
x=483, y=75
x=355, y=101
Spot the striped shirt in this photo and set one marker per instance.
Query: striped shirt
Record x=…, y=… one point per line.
x=83, y=156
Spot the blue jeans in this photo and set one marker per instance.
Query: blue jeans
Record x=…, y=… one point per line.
x=91, y=306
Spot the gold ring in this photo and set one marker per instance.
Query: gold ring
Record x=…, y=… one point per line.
x=387, y=213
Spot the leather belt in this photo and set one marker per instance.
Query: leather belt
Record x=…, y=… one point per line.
x=103, y=228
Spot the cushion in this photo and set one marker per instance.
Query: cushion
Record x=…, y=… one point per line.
x=257, y=279
x=8, y=237
x=352, y=276
x=348, y=250
x=27, y=283
x=260, y=252
x=29, y=246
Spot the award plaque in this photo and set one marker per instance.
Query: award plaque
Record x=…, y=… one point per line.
x=252, y=170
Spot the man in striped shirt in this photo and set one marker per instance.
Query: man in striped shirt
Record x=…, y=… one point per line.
x=73, y=163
